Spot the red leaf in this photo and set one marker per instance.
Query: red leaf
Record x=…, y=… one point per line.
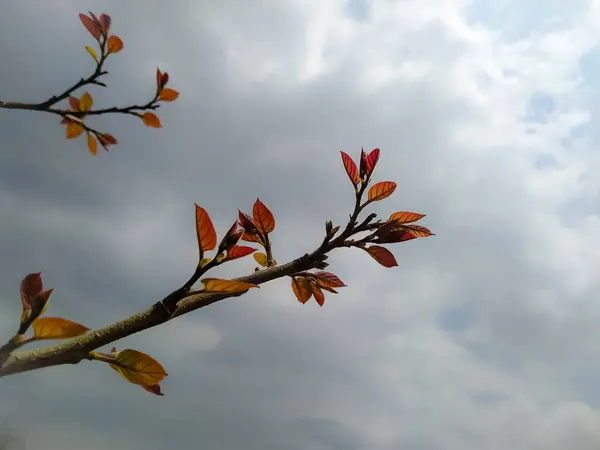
x=263, y=218
x=154, y=389
x=363, y=164
x=382, y=255
x=93, y=26
x=205, y=231
x=247, y=223
x=31, y=286
x=381, y=190
x=231, y=238
x=106, y=140
x=372, y=159
x=396, y=236
x=328, y=279
x=351, y=169
x=73, y=103
x=302, y=289
x=319, y=296
x=405, y=217
x=239, y=251
x=105, y=22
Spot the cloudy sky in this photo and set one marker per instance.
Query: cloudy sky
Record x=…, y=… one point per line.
x=486, y=112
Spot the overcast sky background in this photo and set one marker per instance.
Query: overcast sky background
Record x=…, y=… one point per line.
x=486, y=112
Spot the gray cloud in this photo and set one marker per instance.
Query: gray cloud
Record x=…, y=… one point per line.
x=483, y=337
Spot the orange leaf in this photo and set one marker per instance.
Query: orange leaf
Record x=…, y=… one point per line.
x=150, y=120
x=239, y=251
x=351, y=168
x=319, y=296
x=381, y=190
x=92, y=144
x=263, y=218
x=261, y=259
x=417, y=230
x=248, y=237
x=138, y=368
x=405, y=217
x=302, y=289
x=218, y=286
x=205, y=231
x=154, y=389
x=92, y=26
x=57, y=328
x=85, y=102
x=115, y=44
x=168, y=95
x=74, y=130
x=382, y=255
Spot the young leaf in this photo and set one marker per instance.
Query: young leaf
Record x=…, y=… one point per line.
x=405, y=217
x=138, y=368
x=205, y=231
x=105, y=22
x=161, y=79
x=319, y=296
x=328, y=279
x=85, y=102
x=92, y=52
x=74, y=130
x=371, y=161
x=396, y=236
x=91, y=25
x=417, y=230
x=56, y=328
x=239, y=251
x=92, y=144
x=151, y=120
x=261, y=259
x=302, y=289
x=106, y=140
x=263, y=218
x=218, y=286
x=168, y=95
x=351, y=169
x=31, y=286
x=382, y=255
x=73, y=103
x=154, y=389
x=115, y=44
x=381, y=190
x=248, y=237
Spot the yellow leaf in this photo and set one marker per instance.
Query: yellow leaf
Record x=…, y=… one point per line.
x=115, y=44
x=168, y=95
x=215, y=285
x=74, y=130
x=381, y=190
x=138, y=368
x=150, y=120
x=92, y=52
x=57, y=328
x=92, y=144
x=85, y=102
x=261, y=258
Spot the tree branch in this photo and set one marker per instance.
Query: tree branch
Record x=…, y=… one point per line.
x=77, y=349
